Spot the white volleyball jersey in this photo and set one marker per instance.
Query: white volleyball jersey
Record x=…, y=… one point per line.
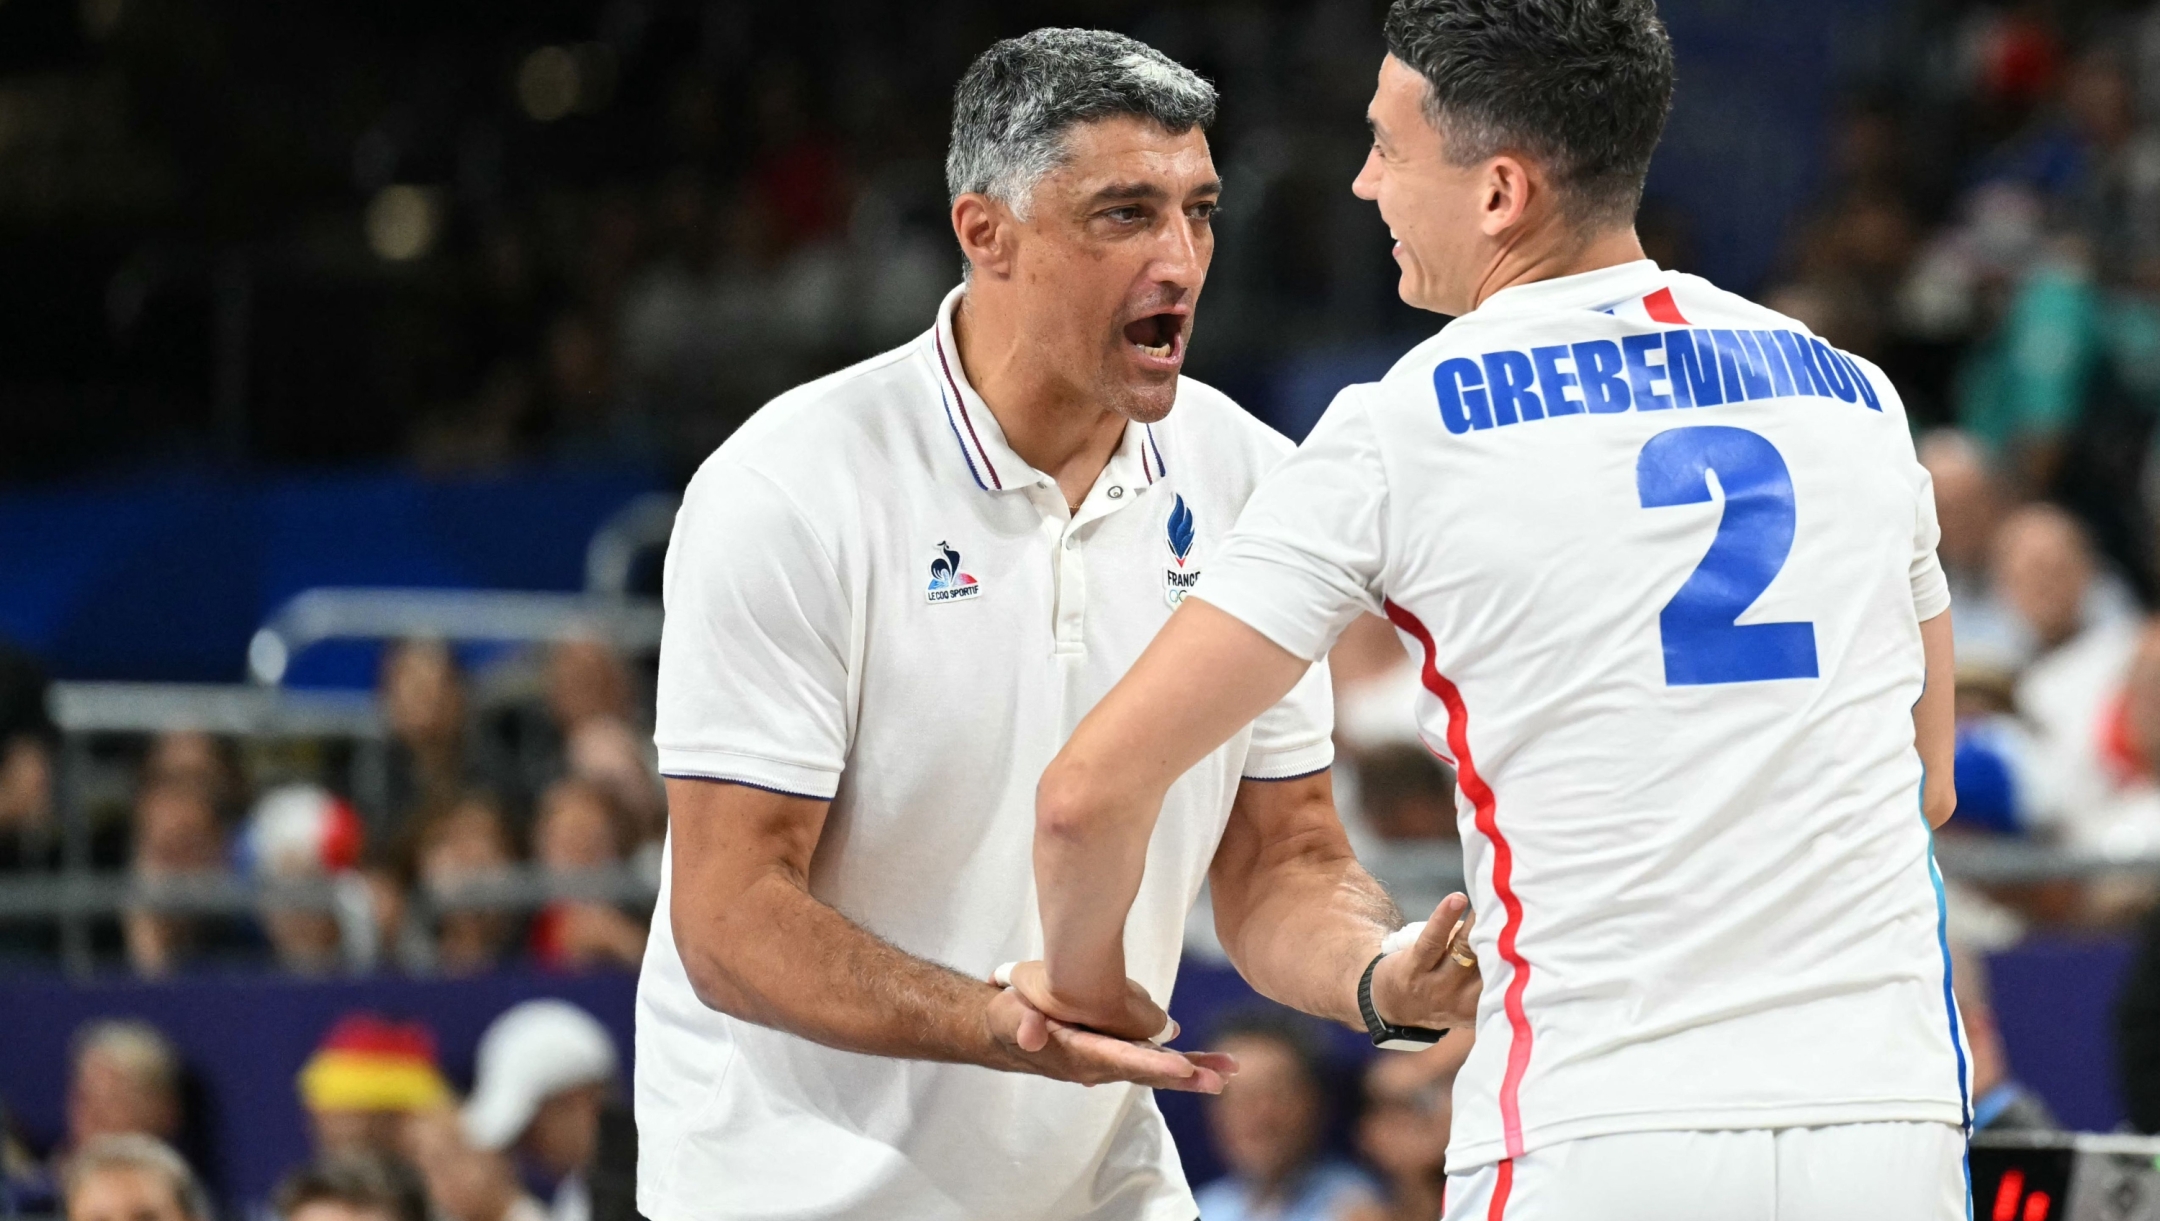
x=1662, y=556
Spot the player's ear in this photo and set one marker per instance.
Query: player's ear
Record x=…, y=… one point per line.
x=1506, y=195
x=985, y=230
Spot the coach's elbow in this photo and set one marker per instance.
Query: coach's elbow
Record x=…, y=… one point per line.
x=1939, y=803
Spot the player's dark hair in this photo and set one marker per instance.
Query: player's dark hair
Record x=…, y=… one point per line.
x=1582, y=86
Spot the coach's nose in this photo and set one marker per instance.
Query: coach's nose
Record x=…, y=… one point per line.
x=1182, y=259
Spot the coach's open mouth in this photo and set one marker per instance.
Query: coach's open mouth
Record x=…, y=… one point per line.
x=1160, y=337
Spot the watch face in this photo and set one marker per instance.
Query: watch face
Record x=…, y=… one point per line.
x=1424, y=1040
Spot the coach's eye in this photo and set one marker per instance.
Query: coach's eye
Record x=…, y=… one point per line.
x=1125, y=215
x=1205, y=211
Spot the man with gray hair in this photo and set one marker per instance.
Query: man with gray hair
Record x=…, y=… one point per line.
x=890, y=597
x=132, y=1177
x=124, y=1078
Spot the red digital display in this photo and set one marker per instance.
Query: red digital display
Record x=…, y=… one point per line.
x=2011, y=1193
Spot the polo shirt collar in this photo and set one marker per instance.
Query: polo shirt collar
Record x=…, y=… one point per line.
x=1137, y=461
x=1589, y=290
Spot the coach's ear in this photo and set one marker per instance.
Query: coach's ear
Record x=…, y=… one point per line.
x=985, y=229
x=1509, y=191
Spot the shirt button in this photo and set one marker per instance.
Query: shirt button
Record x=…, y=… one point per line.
x=1116, y=491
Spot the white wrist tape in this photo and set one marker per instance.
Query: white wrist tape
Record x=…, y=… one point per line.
x=1402, y=938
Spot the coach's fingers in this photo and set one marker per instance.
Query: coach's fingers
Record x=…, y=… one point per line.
x=1098, y=1057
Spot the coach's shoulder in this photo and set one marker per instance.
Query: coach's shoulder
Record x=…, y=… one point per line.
x=828, y=424
x=1216, y=420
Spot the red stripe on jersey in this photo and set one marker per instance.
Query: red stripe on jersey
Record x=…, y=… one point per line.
x=1662, y=309
x=1503, y=878
x=1503, y=1184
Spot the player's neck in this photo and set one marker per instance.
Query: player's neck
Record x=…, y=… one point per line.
x=1054, y=427
x=1555, y=254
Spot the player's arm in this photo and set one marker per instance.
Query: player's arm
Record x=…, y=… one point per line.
x=1935, y=722
x=1300, y=918
x=758, y=946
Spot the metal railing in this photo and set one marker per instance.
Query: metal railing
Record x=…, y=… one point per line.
x=318, y=615
x=638, y=527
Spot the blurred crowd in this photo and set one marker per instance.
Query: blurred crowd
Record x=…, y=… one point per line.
x=540, y=768
x=474, y=235
x=545, y=1133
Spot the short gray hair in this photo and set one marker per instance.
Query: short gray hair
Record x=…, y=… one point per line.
x=1021, y=97
x=145, y=1154
x=139, y=1048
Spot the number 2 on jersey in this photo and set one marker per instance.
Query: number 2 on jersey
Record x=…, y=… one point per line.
x=1704, y=642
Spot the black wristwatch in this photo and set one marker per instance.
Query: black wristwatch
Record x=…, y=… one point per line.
x=1385, y=1036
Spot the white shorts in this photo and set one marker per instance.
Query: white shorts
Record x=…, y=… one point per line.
x=1855, y=1172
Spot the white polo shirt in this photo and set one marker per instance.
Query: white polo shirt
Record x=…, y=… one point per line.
x=1661, y=556
x=871, y=598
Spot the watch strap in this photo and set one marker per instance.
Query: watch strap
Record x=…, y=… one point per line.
x=1386, y=1036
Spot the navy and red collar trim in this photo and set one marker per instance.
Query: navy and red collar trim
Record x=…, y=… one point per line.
x=971, y=446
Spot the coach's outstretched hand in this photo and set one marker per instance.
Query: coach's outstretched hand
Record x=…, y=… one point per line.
x=1034, y=1043
x=1435, y=983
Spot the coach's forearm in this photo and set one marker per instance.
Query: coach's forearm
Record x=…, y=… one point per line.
x=776, y=956
x=1302, y=925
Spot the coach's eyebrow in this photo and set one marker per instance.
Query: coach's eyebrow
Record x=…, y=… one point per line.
x=1129, y=190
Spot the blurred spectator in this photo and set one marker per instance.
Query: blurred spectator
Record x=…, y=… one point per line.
x=1268, y=1125
x=29, y=829
x=352, y=1187
x=423, y=701
x=178, y=840
x=465, y=843
x=204, y=762
x=298, y=836
x=606, y=751
x=132, y=1178
x=585, y=679
x=1969, y=505
x=2000, y=1102
x=466, y=1183
x=366, y=1080
x=125, y=1078
x=545, y=1080
x=29, y=834
x=581, y=830
x=1406, y=794
x=1409, y=1114
x=2083, y=635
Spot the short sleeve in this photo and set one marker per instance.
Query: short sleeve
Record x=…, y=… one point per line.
x=753, y=653
x=1297, y=736
x=1305, y=556
x=1930, y=587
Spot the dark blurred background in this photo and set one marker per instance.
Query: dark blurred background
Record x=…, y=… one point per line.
x=351, y=356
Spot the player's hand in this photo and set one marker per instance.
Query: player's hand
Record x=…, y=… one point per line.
x=1435, y=983
x=1026, y=1041
x=1130, y=1014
